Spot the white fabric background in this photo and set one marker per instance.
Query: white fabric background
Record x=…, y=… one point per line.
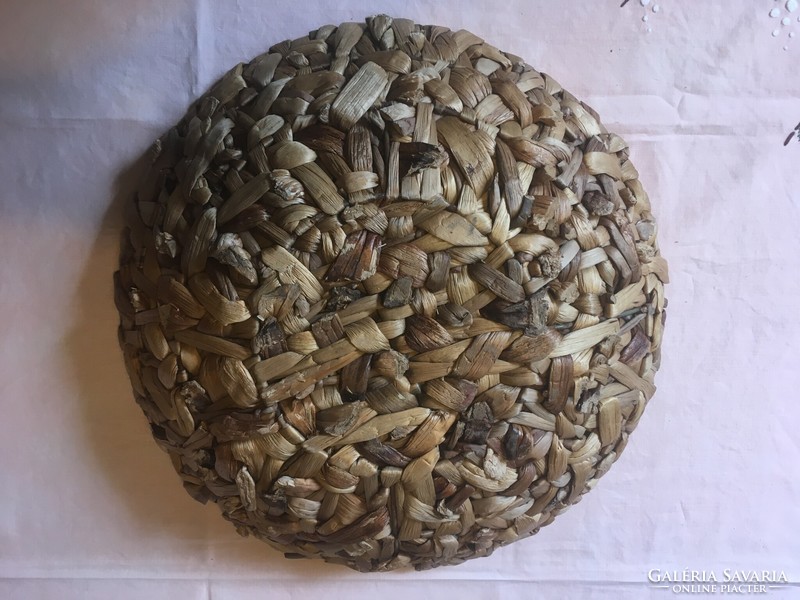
x=90, y=508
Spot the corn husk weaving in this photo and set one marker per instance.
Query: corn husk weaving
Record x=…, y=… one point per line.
x=390, y=296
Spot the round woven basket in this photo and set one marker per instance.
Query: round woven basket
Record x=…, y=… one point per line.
x=390, y=296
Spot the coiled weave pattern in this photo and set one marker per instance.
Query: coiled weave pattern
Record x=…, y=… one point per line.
x=390, y=297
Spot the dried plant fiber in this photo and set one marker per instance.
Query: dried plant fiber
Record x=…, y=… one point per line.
x=390, y=296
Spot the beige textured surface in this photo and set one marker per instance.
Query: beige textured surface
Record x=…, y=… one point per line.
x=390, y=296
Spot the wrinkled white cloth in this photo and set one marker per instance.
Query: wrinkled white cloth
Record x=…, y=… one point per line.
x=90, y=507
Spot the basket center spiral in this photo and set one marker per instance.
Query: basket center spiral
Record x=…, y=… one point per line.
x=390, y=296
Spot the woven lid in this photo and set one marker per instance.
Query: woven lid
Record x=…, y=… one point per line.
x=390, y=296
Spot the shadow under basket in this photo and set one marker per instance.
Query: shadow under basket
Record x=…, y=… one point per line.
x=390, y=296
